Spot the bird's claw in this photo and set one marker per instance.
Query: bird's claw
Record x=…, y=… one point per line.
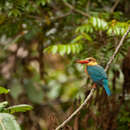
x=94, y=86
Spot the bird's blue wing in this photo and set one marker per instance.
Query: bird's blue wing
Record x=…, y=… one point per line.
x=97, y=73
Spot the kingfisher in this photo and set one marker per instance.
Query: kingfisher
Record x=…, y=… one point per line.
x=96, y=73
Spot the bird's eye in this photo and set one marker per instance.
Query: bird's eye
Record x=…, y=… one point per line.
x=89, y=60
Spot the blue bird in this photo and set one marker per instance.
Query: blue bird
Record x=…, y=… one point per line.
x=96, y=73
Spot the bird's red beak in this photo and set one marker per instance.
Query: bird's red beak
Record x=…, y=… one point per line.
x=82, y=61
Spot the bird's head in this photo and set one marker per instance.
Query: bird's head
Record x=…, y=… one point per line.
x=88, y=61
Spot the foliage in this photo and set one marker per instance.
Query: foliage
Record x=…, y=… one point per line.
x=94, y=24
x=18, y=108
x=112, y=28
x=65, y=49
x=7, y=121
x=34, y=33
x=3, y=90
x=123, y=119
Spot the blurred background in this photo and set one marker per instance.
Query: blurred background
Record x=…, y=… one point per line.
x=39, y=43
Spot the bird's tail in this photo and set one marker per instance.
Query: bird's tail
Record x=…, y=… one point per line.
x=105, y=85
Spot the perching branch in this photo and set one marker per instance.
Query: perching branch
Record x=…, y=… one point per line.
x=92, y=90
x=76, y=10
x=77, y=110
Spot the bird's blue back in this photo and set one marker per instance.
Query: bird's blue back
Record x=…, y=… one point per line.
x=96, y=73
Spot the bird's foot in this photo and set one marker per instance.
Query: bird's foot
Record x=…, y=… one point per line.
x=94, y=86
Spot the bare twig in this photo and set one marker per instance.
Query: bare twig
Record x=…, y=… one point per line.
x=76, y=10
x=51, y=18
x=62, y=16
x=92, y=90
x=114, y=6
x=88, y=5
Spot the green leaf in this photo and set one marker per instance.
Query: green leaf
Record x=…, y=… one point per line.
x=80, y=47
x=19, y=108
x=98, y=24
x=77, y=39
x=3, y=105
x=14, y=12
x=54, y=49
x=48, y=49
x=94, y=21
x=116, y=31
x=4, y=90
x=42, y=2
x=62, y=49
x=73, y=48
x=86, y=28
x=77, y=48
x=8, y=122
x=87, y=37
x=109, y=32
x=68, y=49
x=122, y=31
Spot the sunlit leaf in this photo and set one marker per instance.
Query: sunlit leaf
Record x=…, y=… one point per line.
x=68, y=49
x=87, y=37
x=8, y=122
x=19, y=108
x=3, y=90
x=77, y=39
x=3, y=105
x=54, y=49
x=62, y=49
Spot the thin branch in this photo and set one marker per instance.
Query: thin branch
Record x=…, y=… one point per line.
x=114, y=6
x=62, y=16
x=88, y=5
x=75, y=112
x=76, y=10
x=51, y=18
x=92, y=90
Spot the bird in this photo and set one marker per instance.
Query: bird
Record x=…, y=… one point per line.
x=96, y=73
